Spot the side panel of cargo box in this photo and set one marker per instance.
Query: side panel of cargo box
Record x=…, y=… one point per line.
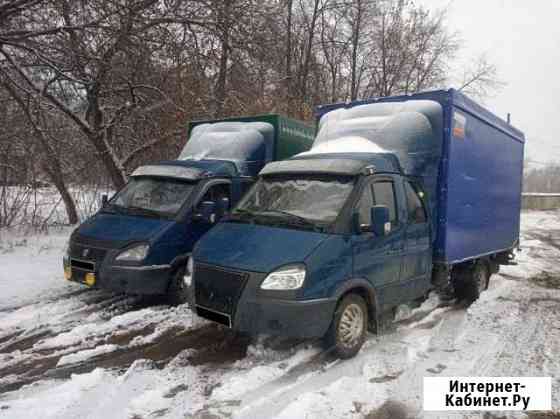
x=483, y=182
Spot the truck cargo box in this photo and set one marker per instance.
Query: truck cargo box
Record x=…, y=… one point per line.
x=250, y=142
x=469, y=161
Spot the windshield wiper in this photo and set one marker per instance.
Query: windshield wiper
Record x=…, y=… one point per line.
x=242, y=211
x=241, y=214
x=144, y=211
x=299, y=220
x=113, y=209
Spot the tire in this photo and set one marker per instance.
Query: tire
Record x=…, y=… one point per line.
x=178, y=293
x=469, y=283
x=348, y=329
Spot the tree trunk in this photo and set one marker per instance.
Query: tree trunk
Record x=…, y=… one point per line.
x=355, y=44
x=99, y=136
x=221, y=84
x=304, y=74
x=110, y=161
x=288, y=86
x=53, y=169
x=56, y=178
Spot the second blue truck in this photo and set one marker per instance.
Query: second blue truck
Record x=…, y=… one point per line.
x=141, y=239
x=397, y=196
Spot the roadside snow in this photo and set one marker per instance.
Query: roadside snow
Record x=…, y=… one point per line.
x=31, y=267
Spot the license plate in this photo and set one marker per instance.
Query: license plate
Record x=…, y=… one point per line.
x=89, y=279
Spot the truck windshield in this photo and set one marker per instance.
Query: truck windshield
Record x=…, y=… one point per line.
x=310, y=200
x=152, y=196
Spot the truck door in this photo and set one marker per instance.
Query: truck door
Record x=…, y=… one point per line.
x=417, y=253
x=214, y=191
x=379, y=258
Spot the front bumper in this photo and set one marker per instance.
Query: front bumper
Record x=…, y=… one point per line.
x=99, y=272
x=298, y=319
x=254, y=311
x=148, y=280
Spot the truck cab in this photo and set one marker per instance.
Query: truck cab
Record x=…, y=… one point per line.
x=140, y=240
x=311, y=230
x=396, y=197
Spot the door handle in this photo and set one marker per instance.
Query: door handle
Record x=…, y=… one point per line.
x=394, y=249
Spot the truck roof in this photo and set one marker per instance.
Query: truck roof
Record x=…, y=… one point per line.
x=188, y=169
x=248, y=145
x=346, y=164
x=290, y=136
x=445, y=98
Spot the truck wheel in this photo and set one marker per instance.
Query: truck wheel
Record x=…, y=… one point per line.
x=348, y=329
x=178, y=291
x=469, y=283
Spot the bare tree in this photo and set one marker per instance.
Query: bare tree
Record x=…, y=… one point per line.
x=411, y=50
x=105, y=85
x=481, y=78
x=87, y=68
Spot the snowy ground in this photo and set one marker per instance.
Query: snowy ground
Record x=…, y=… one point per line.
x=69, y=352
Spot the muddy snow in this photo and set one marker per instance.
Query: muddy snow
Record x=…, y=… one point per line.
x=70, y=352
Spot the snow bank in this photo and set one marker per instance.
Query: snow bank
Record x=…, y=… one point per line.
x=31, y=267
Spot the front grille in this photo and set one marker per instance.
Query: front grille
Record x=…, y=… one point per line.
x=85, y=265
x=84, y=253
x=218, y=289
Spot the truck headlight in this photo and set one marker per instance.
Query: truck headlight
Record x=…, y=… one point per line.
x=187, y=277
x=289, y=277
x=134, y=254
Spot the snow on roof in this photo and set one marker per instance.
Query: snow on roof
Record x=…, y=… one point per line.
x=347, y=144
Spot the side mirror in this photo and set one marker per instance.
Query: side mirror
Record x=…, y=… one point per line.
x=381, y=225
x=206, y=212
x=358, y=227
x=104, y=200
x=222, y=207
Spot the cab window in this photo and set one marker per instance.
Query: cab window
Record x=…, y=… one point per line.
x=416, y=210
x=216, y=192
x=384, y=194
x=364, y=206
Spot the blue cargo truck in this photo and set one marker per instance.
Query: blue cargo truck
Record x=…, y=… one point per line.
x=141, y=239
x=397, y=196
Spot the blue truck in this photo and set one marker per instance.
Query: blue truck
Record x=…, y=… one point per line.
x=141, y=239
x=398, y=196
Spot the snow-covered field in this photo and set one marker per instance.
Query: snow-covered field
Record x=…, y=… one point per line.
x=69, y=352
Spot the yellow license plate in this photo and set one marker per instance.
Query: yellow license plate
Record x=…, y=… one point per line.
x=90, y=279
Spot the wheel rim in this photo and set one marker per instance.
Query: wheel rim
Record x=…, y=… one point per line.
x=481, y=279
x=351, y=325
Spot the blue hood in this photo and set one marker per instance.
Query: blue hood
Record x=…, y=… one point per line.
x=122, y=228
x=254, y=247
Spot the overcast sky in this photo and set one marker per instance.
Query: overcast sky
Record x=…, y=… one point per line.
x=522, y=38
